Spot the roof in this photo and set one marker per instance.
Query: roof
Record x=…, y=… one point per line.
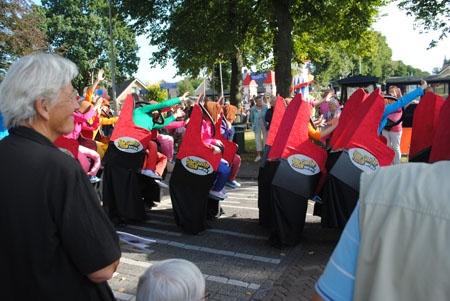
x=358, y=80
x=120, y=88
x=437, y=78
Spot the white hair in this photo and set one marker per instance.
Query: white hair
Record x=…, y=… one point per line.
x=171, y=280
x=38, y=75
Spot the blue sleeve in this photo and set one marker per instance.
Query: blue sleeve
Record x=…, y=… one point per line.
x=338, y=279
x=400, y=103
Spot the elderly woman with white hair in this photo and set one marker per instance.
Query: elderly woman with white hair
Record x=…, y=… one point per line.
x=61, y=245
x=171, y=280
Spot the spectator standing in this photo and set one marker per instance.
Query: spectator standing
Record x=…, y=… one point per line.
x=393, y=129
x=269, y=113
x=395, y=244
x=258, y=122
x=393, y=138
x=59, y=244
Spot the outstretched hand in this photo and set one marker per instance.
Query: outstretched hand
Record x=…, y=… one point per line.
x=184, y=96
x=101, y=75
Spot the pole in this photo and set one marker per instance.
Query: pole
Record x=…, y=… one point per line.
x=204, y=87
x=221, y=81
x=112, y=61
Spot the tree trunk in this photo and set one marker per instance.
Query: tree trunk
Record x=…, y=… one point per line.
x=236, y=79
x=282, y=45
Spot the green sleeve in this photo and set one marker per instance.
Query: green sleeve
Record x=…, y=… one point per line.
x=166, y=122
x=159, y=106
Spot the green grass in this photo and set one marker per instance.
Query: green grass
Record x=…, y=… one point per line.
x=250, y=147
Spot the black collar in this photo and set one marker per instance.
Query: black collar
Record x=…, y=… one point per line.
x=31, y=134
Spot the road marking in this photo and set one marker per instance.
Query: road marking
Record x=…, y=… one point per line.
x=254, y=188
x=180, y=245
x=142, y=264
x=239, y=207
x=218, y=279
x=244, y=195
x=148, y=229
x=242, y=198
x=230, y=202
x=220, y=231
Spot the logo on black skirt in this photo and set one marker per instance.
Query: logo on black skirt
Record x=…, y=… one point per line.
x=363, y=159
x=128, y=145
x=303, y=164
x=197, y=165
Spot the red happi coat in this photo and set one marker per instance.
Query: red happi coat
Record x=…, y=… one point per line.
x=361, y=130
x=440, y=148
x=292, y=136
x=125, y=126
x=425, y=120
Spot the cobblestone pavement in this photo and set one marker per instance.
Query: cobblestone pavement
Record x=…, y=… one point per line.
x=234, y=256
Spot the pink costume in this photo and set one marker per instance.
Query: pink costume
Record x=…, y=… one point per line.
x=79, y=119
x=166, y=141
x=85, y=155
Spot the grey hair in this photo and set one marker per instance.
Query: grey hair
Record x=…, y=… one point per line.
x=171, y=280
x=35, y=76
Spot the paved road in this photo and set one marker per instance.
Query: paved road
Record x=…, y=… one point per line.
x=234, y=256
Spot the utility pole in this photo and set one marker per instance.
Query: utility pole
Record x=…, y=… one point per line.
x=112, y=61
x=221, y=81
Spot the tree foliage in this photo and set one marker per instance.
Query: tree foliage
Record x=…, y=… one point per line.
x=398, y=68
x=156, y=93
x=79, y=30
x=197, y=34
x=22, y=30
x=184, y=86
x=430, y=15
x=368, y=55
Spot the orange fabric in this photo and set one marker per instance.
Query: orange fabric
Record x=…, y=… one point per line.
x=108, y=120
x=89, y=94
x=405, y=143
x=313, y=133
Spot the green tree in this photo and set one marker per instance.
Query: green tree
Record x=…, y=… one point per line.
x=401, y=69
x=156, y=93
x=22, y=31
x=197, y=34
x=79, y=30
x=430, y=15
x=184, y=86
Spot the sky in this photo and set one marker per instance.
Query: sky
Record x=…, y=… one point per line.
x=406, y=44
